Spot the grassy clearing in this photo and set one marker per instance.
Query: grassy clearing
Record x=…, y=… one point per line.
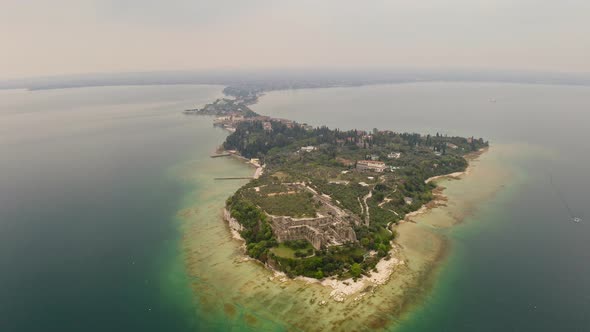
x=293, y=249
x=283, y=251
x=294, y=205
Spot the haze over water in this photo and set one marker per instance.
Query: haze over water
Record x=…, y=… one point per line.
x=107, y=191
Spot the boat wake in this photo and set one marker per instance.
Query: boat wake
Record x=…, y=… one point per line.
x=562, y=198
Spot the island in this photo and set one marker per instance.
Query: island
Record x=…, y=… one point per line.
x=323, y=202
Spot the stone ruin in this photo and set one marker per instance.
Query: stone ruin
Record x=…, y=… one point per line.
x=320, y=232
x=331, y=227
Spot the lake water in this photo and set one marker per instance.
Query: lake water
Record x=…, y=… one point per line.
x=110, y=217
x=89, y=192
x=517, y=262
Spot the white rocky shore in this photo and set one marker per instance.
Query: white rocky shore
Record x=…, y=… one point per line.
x=234, y=226
x=343, y=289
x=455, y=175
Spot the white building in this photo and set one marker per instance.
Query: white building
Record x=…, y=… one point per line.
x=394, y=155
x=370, y=165
x=452, y=146
x=307, y=148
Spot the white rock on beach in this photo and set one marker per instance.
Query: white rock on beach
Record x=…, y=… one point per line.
x=344, y=288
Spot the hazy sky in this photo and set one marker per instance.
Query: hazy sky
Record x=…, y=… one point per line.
x=84, y=36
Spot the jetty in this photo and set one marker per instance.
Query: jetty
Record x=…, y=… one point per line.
x=235, y=178
x=220, y=155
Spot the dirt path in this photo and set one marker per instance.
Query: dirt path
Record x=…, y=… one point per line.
x=367, y=216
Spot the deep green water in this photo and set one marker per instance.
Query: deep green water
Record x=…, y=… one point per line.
x=518, y=263
x=89, y=192
x=92, y=180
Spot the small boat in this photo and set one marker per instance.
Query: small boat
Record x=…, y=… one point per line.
x=576, y=219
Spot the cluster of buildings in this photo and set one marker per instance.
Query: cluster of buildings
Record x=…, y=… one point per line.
x=231, y=112
x=221, y=106
x=372, y=162
x=231, y=121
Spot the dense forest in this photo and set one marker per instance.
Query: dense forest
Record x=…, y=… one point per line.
x=252, y=141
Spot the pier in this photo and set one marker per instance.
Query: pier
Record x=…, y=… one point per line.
x=220, y=155
x=235, y=178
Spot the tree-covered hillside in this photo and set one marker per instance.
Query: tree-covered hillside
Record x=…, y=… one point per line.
x=325, y=161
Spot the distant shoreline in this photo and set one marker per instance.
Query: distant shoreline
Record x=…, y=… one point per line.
x=285, y=79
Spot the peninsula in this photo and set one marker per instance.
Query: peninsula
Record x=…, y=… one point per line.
x=323, y=201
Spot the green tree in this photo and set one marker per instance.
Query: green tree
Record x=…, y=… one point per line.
x=319, y=274
x=356, y=270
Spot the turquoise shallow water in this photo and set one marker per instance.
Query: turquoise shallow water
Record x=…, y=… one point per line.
x=89, y=239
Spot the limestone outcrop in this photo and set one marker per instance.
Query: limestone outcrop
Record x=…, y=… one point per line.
x=232, y=222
